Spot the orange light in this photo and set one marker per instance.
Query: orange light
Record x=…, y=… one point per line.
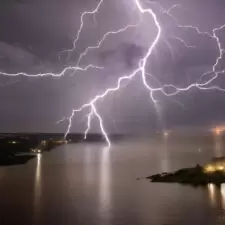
x=218, y=130
x=209, y=169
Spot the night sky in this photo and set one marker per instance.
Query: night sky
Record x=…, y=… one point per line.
x=35, y=33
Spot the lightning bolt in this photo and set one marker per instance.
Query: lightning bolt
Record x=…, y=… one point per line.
x=109, y=33
x=83, y=15
x=51, y=74
x=168, y=90
x=89, y=116
x=140, y=70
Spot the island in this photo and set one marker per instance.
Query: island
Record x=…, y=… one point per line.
x=212, y=172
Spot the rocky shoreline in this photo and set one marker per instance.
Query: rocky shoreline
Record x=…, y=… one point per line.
x=193, y=176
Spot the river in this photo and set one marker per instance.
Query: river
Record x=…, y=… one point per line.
x=88, y=184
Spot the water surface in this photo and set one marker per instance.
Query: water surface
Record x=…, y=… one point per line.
x=88, y=184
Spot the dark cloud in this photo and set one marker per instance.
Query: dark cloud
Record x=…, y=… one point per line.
x=129, y=53
x=15, y=57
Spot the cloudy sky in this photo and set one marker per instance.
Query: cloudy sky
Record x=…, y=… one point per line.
x=35, y=33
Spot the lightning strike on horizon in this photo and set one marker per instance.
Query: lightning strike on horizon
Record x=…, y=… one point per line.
x=91, y=106
x=101, y=125
x=141, y=68
x=89, y=116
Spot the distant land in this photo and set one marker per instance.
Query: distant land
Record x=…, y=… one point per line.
x=98, y=137
x=19, y=148
x=72, y=137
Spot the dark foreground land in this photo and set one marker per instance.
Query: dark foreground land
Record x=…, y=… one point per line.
x=15, y=160
x=19, y=148
x=16, y=149
x=193, y=176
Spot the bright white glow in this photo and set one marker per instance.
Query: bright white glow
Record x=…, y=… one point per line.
x=166, y=134
x=212, y=193
x=88, y=123
x=104, y=180
x=37, y=188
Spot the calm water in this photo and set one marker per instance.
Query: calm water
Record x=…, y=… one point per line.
x=87, y=184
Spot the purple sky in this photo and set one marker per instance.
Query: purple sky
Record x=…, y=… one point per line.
x=34, y=32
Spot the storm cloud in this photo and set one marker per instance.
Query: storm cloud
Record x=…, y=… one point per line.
x=34, y=35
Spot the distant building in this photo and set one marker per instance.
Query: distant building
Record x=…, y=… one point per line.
x=216, y=165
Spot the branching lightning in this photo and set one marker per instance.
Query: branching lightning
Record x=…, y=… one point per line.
x=89, y=116
x=140, y=70
x=109, y=33
x=83, y=15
